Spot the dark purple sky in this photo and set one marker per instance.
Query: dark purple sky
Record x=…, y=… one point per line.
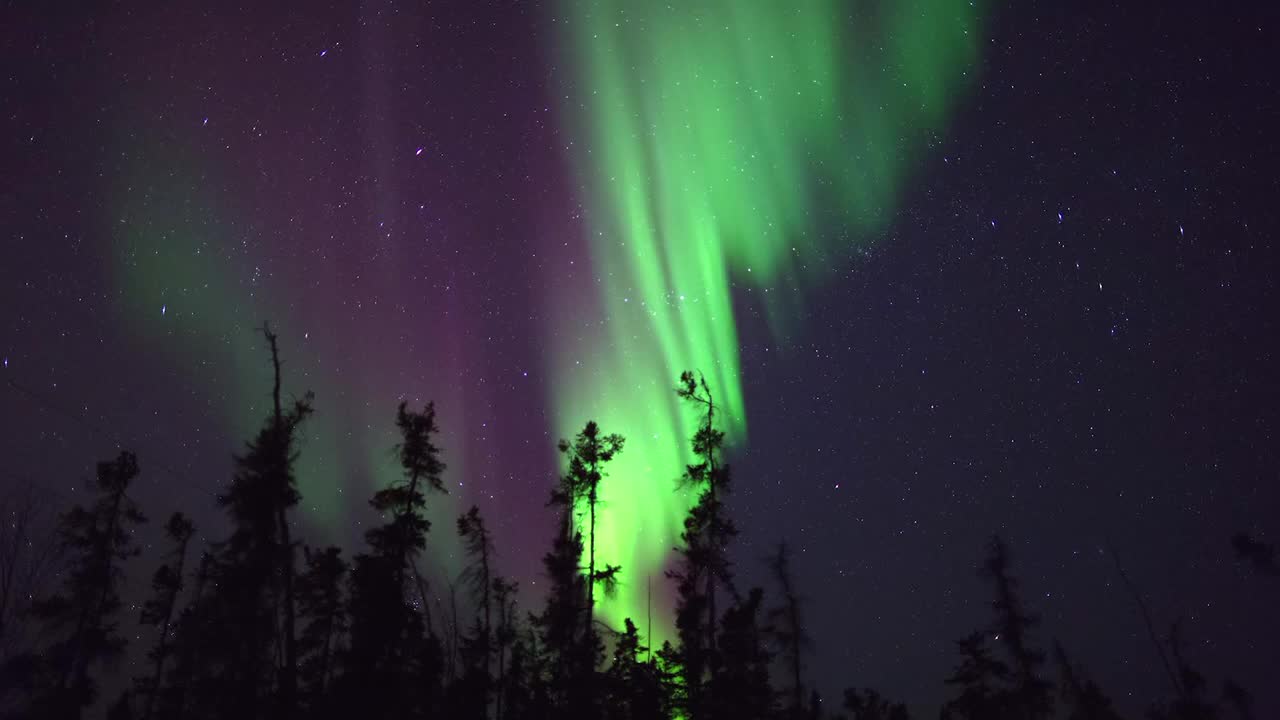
x=990, y=367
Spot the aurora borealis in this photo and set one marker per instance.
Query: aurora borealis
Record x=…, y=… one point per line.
x=724, y=146
x=952, y=268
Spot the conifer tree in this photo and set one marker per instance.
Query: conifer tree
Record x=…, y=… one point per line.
x=992, y=688
x=587, y=455
x=158, y=610
x=787, y=627
x=870, y=705
x=99, y=540
x=254, y=571
x=740, y=688
x=320, y=605
x=478, y=545
x=1081, y=697
x=505, y=634
x=390, y=657
x=704, y=563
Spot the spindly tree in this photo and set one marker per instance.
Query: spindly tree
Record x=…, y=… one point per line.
x=704, y=564
x=322, y=611
x=391, y=659
x=478, y=649
x=1012, y=687
x=166, y=583
x=255, y=572
x=588, y=455
x=740, y=688
x=787, y=627
x=99, y=540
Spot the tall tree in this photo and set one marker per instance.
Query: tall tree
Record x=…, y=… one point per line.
x=1031, y=692
x=1081, y=696
x=478, y=544
x=320, y=605
x=29, y=554
x=1012, y=688
x=787, y=627
x=588, y=454
x=505, y=634
x=390, y=655
x=740, y=686
x=565, y=649
x=254, y=571
x=99, y=540
x=166, y=583
x=704, y=563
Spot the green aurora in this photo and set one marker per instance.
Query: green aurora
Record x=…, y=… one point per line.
x=722, y=146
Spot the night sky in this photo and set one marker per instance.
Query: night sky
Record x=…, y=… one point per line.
x=1033, y=294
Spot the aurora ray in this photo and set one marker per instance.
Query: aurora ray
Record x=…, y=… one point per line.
x=724, y=146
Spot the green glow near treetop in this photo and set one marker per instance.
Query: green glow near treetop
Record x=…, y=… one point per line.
x=723, y=146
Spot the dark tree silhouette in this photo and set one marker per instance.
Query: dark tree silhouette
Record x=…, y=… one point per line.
x=473, y=698
x=568, y=656
x=704, y=562
x=740, y=688
x=29, y=554
x=633, y=687
x=869, y=705
x=587, y=455
x=321, y=607
x=392, y=664
x=166, y=583
x=504, y=595
x=1082, y=699
x=991, y=688
x=99, y=540
x=254, y=572
x=787, y=627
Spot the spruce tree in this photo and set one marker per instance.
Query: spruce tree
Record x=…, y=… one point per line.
x=254, y=570
x=391, y=660
x=99, y=540
x=322, y=610
x=166, y=583
x=704, y=564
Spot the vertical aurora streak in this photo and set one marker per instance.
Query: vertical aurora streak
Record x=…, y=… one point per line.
x=723, y=145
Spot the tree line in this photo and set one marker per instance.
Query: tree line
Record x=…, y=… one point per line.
x=260, y=625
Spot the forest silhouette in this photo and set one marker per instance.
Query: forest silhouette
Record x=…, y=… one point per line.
x=261, y=625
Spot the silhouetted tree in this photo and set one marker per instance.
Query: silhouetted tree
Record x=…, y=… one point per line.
x=991, y=688
x=869, y=705
x=391, y=661
x=1081, y=696
x=632, y=686
x=254, y=571
x=99, y=540
x=787, y=628
x=29, y=553
x=740, y=688
x=478, y=648
x=568, y=656
x=166, y=583
x=704, y=563
x=504, y=595
x=194, y=631
x=321, y=607
x=1191, y=702
x=587, y=455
